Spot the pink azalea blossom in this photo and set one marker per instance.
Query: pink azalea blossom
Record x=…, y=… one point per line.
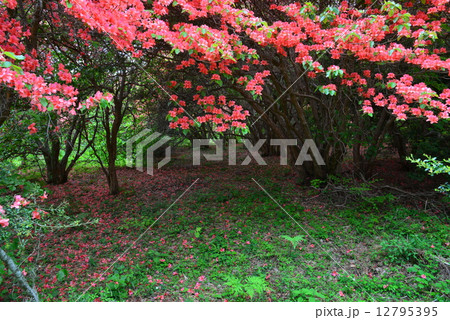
x=4, y=222
x=19, y=201
x=36, y=214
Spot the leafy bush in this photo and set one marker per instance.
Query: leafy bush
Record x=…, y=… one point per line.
x=434, y=167
x=23, y=216
x=404, y=249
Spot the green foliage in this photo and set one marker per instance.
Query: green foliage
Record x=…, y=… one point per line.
x=424, y=138
x=240, y=238
x=400, y=250
x=7, y=64
x=20, y=220
x=249, y=287
x=377, y=202
x=363, y=194
x=307, y=295
x=434, y=167
x=295, y=241
x=25, y=148
x=11, y=182
x=197, y=232
x=410, y=249
x=117, y=285
x=61, y=274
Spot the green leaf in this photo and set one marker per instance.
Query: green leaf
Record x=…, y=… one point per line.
x=104, y=103
x=391, y=85
x=17, y=69
x=62, y=274
x=13, y=56
x=43, y=101
x=5, y=64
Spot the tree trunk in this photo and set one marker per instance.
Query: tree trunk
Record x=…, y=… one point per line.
x=56, y=173
x=113, y=182
x=5, y=104
x=56, y=169
x=111, y=145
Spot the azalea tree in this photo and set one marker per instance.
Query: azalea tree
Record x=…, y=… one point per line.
x=57, y=143
x=307, y=70
x=35, y=72
x=31, y=71
x=58, y=133
x=319, y=71
x=123, y=78
x=345, y=51
x=130, y=84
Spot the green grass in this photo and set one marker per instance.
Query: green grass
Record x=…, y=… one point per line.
x=390, y=252
x=242, y=243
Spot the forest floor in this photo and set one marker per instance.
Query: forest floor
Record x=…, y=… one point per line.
x=242, y=233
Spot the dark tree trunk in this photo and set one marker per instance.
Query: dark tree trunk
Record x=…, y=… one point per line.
x=58, y=167
x=56, y=173
x=5, y=104
x=111, y=145
x=111, y=174
x=113, y=182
